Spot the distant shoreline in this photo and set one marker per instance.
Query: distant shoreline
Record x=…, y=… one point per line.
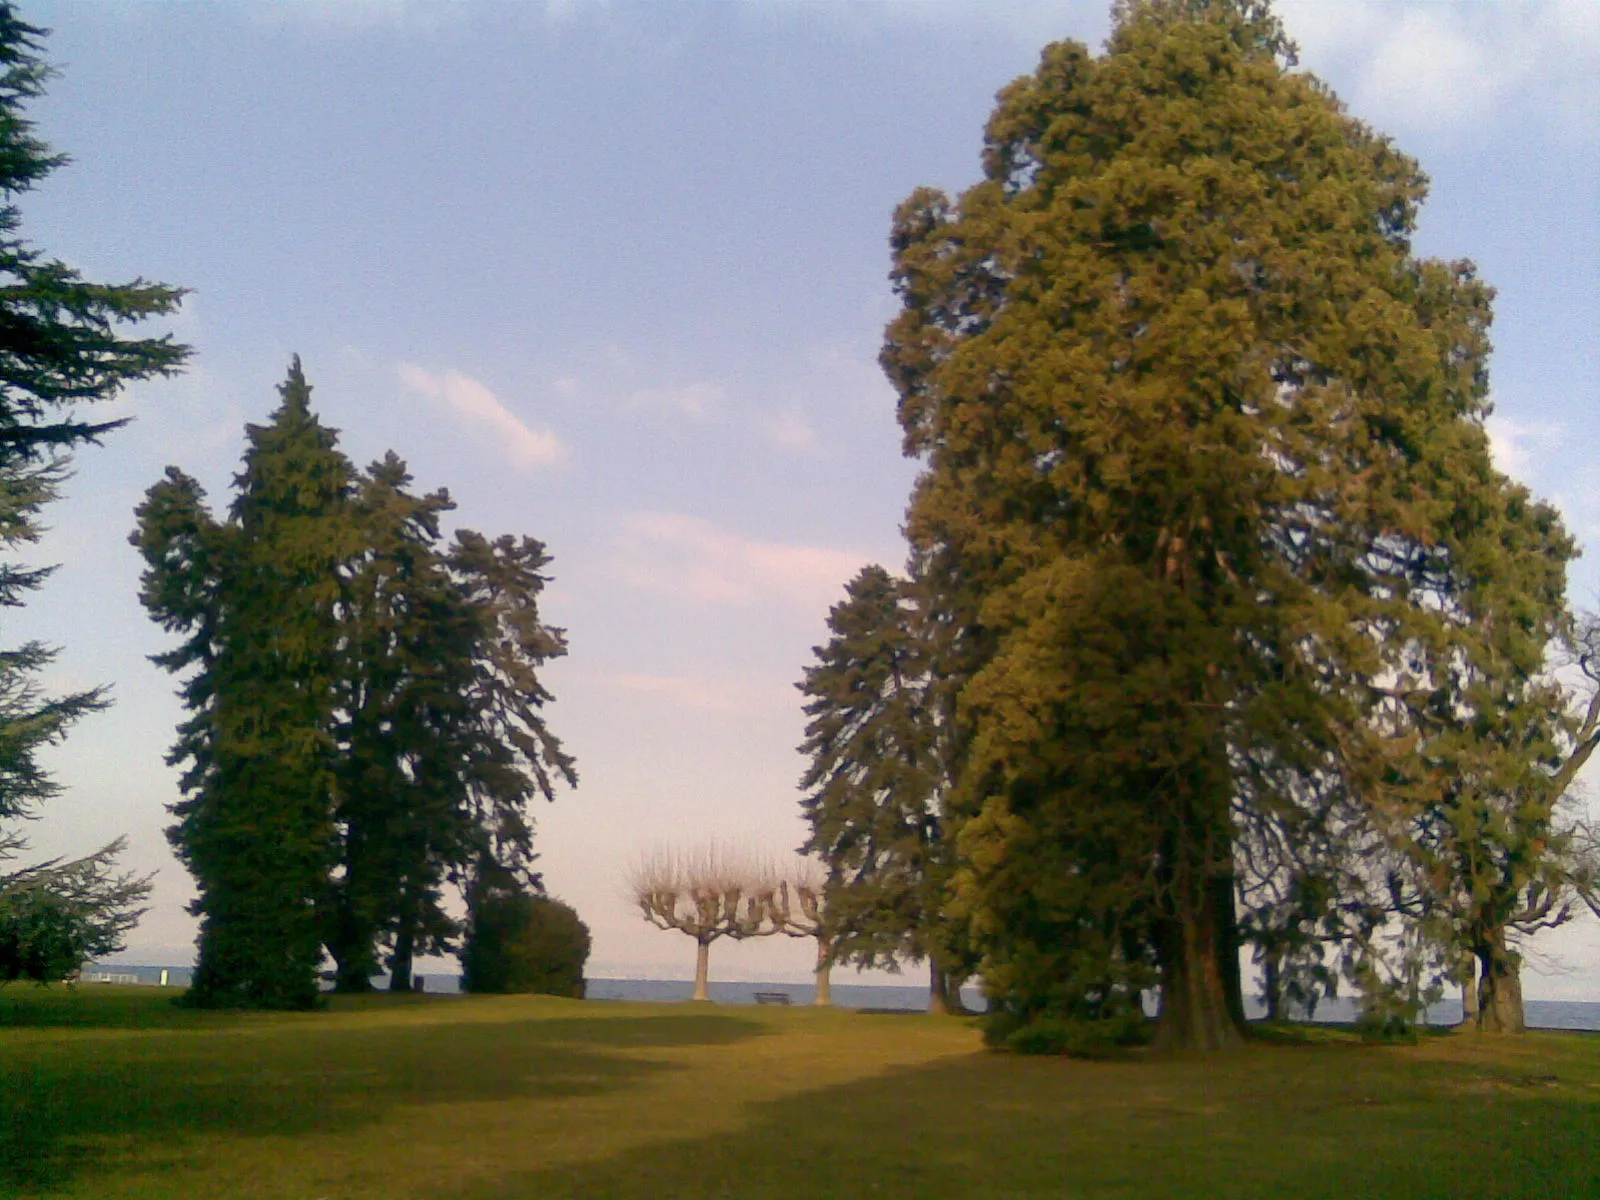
x=1551, y=1016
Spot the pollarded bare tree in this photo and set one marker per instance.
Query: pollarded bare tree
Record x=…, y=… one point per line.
x=709, y=891
x=796, y=908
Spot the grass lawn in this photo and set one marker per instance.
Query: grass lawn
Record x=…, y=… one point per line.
x=111, y=1092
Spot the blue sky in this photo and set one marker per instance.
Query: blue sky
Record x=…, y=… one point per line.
x=615, y=274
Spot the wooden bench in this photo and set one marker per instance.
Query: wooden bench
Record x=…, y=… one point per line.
x=772, y=997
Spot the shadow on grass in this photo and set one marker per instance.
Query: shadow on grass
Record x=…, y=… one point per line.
x=67, y=1103
x=1327, y=1122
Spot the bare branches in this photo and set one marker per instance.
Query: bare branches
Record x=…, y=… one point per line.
x=708, y=891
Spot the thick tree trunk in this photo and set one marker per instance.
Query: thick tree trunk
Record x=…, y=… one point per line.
x=1201, y=1007
x=702, y=967
x=1221, y=889
x=824, y=973
x=950, y=986
x=1499, y=986
x=938, y=1000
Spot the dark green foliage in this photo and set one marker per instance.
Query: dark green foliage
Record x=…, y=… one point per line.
x=1101, y=1038
x=516, y=757
x=366, y=716
x=258, y=597
x=59, y=351
x=58, y=344
x=55, y=916
x=876, y=785
x=405, y=732
x=521, y=942
x=1205, y=465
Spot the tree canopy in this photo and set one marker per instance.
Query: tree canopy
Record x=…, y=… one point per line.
x=366, y=721
x=1205, y=471
x=60, y=348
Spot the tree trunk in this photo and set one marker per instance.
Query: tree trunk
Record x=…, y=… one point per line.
x=950, y=986
x=1469, y=993
x=1272, y=984
x=400, y=959
x=351, y=973
x=824, y=973
x=1499, y=986
x=938, y=1002
x=1221, y=889
x=702, y=966
x=1200, y=1009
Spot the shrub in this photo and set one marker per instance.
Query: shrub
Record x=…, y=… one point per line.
x=525, y=943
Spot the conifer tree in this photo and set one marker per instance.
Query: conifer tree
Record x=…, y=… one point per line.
x=408, y=640
x=876, y=784
x=257, y=597
x=366, y=721
x=1490, y=833
x=59, y=351
x=1204, y=451
x=518, y=757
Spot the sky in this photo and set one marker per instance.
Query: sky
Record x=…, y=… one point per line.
x=616, y=276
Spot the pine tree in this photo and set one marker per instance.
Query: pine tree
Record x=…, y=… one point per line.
x=1202, y=438
x=59, y=349
x=258, y=597
x=877, y=781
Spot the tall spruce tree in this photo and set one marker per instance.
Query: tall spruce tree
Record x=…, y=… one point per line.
x=877, y=782
x=515, y=756
x=59, y=350
x=1201, y=438
x=408, y=641
x=258, y=598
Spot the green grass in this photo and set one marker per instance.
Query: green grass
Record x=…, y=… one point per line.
x=111, y=1092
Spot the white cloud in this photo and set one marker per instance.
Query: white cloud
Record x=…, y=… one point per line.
x=1512, y=443
x=697, y=561
x=788, y=431
x=1455, y=66
x=468, y=398
x=692, y=400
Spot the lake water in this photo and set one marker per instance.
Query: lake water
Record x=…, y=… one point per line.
x=1542, y=1014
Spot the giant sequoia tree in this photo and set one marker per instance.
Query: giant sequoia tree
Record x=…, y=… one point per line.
x=1204, y=459
x=59, y=352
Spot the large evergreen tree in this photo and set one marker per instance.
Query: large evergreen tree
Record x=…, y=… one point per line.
x=877, y=782
x=366, y=721
x=258, y=598
x=59, y=350
x=1489, y=834
x=476, y=742
x=1203, y=445
x=408, y=641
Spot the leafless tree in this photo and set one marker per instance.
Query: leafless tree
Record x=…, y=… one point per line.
x=795, y=908
x=708, y=891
